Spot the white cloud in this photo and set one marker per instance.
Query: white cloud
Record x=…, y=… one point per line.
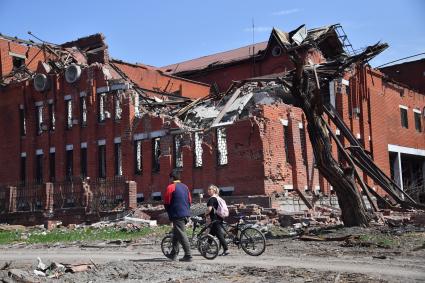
x=258, y=29
x=286, y=12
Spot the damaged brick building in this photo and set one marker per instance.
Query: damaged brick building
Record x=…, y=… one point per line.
x=71, y=115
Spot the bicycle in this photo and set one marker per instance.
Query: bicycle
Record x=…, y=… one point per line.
x=206, y=244
x=245, y=236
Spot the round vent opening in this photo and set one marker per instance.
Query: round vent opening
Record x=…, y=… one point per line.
x=276, y=51
x=72, y=73
x=41, y=82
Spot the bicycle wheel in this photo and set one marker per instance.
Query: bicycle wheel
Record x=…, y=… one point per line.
x=252, y=241
x=167, y=246
x=208, y=246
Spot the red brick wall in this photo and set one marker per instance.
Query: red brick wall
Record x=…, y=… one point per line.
x=409, y=73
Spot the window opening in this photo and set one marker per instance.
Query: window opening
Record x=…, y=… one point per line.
x=52, y=166
x=23, y=169
x=403, y=117
x=156, y=150
x=102, y=101
x=69, y=164
x=138, y=157
x=52, y=116
x=118, y=108
x=418, y=124
x=83, y=161
x=83, y=111
x=39, y=119
x=222, y=146
x=178, y=153
x=198, y=149
x=303, y=145
x=102, y=161
x=39, y=168
x=118, y=159
x=23, y=126
x=69, y=114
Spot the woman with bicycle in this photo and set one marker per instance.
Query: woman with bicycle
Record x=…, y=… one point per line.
x=217, y=221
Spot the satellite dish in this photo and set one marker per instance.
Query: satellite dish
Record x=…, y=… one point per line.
x=41, y=82
x=72, y=73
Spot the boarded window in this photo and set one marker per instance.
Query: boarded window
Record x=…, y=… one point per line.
x=418, y=124
x=52, y=117
x=222, y=146
x=69, y=164
x=83, y=111
x=39, y=119
x=287, y=141
x=118, y=159
x=156, y=152
x=178, y=153
x=52, y=166
x=403, y=117
x=198, y=149
x=68, y=114
x=102, y=161
x=23, y=126
x=138, y=165
x=83, y=162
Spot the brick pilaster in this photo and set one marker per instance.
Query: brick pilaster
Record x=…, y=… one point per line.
x=130, y=194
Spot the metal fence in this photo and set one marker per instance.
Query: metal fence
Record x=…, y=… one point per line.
x=108, y=194
x=99, y=195
x=68, y=194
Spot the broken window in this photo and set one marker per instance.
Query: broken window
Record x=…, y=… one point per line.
x=138, y=157
x=198, y=149
x=118, y=159
x=52, y=166
x=52, y=117
x=23, y=126
x=83, y=162
x=83, y=111
x=156, y=150
x=136, y=105
x=69, y=164
x=178, y=153
x=68, y=114
x=102, y=103
x=303, y=140
x=39, y=119
x=102, y=161
x=118, y=108
x=222, y=146
x=18, y=62
x=39, y=168
x=403, y=116
x=287, y=141
x=23, y=172
x=418, y=124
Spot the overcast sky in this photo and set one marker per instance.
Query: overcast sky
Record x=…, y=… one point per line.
x=159, y=33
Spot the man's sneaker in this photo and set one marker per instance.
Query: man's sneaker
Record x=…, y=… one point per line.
x=172, y=255
x=186, y=258
x=224, y=253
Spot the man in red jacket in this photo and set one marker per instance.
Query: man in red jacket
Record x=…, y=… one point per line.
x=177, y=201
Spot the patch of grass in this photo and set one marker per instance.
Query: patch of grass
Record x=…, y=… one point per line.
x=384, y=240
x=87, y=234
x=9, y=237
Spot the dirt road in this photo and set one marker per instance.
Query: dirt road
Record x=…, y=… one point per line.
x=285, y=260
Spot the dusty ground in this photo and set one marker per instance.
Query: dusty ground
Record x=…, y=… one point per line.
x=285, y=260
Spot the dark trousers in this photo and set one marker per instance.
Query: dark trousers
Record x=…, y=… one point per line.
x=217, y=230
x=179, y=235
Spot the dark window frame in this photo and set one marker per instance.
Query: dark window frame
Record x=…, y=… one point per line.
x=403, y=117
x=287, y=141
x=418, y=121
x=69, y=164
x=83, y=162
x=102, y=161
x=118, y=159
x=39, y=168
x=52, y=166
